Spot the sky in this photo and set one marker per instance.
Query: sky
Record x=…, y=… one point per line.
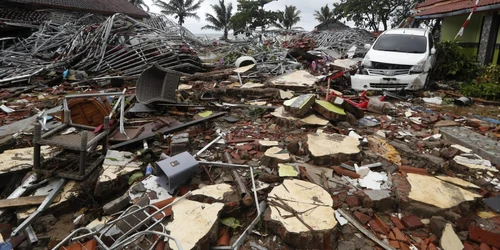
x=307, y=8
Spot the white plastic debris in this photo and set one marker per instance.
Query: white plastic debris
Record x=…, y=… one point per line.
x=433, y=100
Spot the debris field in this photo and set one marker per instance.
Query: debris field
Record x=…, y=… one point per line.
x=119, y=134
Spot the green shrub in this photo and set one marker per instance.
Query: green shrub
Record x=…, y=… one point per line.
x=486, y=85
x=452, y=64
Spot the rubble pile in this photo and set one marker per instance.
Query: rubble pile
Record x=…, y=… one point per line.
x=192, y=157
x=116, y=46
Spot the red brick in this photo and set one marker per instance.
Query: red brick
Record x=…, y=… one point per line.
x=423, y=245
x=468, y=246
x=403, y=246
x=479, y=235
x=432, y=247
x=397, y=222
x=391, y=236
x=376, y=227
x=352, y=201
x=363, y=218
x=382, y=224
x=399, y=236
x=337, y=202
x=483, y=246
x=412, y=222
x=342, y=171
x=394, y=243
x=412, y=170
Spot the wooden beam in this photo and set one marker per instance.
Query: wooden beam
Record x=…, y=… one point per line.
x=22, y=201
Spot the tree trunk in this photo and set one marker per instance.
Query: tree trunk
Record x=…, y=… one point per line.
x=384, y=22
x=225, y=33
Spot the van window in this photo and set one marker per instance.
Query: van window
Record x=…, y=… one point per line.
x=401, y=43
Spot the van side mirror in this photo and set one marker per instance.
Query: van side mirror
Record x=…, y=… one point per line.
x=368, y=46
x=433, y=51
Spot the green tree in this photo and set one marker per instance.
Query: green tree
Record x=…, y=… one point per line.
x=222, y=18
x=402, y=13
x=180, y=9
x=251, y=14
x=288, y=18
x=324, y=14
x=369, y=14
x=140, y=4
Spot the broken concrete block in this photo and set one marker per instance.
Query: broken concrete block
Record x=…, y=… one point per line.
x=475, y=164
x=435, y=192
x=285, y=116
x=314, y=120
x=329, y=111
x=21, y=158
x=341, y=102
x=217, y=192
x=457, y=181
x=384, y=149
x=330, y=149
x=312, y=204
x=117, y=204
x=265, y=145
x=296, y=79
x=436, y=225
x=273, y=156
x=154, y=187
x=380, y=200
x=179, y=143
x=287, y=170
x=449, y=239
x=300, y=105
x=194, y=223
x=116, y=164
x=317, y=173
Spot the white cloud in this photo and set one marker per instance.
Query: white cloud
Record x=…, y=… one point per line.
x=307, y=9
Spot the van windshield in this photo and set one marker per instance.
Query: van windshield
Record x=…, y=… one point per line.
x=401, y=43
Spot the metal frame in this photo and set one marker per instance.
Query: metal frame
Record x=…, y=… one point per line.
x=128, y=233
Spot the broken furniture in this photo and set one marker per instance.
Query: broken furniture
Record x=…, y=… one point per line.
x=85, y=143
x=157, y=84
x=89, y=111
x=138, y=227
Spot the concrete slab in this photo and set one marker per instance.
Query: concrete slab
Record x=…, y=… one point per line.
x=115, y=165
x=432, y=191
x=308, y=201
x=329, y=149
x=21, y=158
x=193, y=222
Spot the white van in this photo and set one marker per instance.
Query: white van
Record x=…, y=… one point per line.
x=399, y=58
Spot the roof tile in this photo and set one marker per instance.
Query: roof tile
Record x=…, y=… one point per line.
x=431, y=7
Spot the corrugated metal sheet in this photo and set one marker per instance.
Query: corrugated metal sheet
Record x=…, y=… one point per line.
x=440, y=6
x=91, y=6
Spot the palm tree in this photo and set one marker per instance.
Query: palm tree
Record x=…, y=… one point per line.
x=289, y=18
x=140, y=4
x=324, y=14
x=180, y=9
x=221, y=20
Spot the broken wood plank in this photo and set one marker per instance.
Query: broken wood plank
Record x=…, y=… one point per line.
x=22, y=201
